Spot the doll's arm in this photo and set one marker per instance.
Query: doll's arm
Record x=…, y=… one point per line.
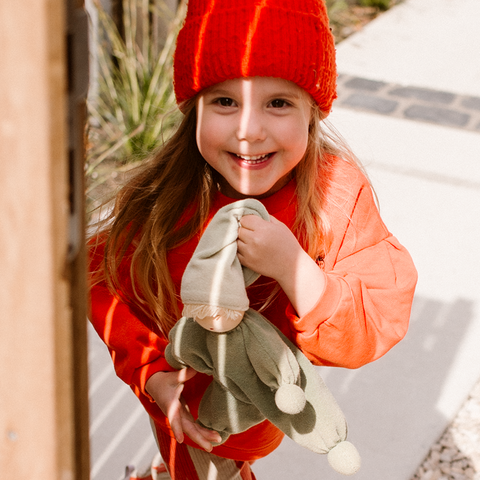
x=274, y=362
x=188, y=347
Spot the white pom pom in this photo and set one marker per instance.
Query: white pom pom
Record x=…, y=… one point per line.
x=344, y=458
x=290, y=399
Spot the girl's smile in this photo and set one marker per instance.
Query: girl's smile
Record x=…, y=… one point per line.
x=253, y=158
x=253, y=132
x=252, y=161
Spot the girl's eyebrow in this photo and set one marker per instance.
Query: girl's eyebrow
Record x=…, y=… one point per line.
x=286, y=95
x=219, y=91
x=280, y=94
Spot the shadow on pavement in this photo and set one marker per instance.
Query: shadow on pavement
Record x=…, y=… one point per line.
x=391, y=404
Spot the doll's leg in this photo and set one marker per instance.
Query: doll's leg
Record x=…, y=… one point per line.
x=220, y=410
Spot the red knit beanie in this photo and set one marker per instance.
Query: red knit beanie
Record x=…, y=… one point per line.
x=225, y=39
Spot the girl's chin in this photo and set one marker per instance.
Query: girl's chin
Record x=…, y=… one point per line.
x=242, y=193
x=230, y=192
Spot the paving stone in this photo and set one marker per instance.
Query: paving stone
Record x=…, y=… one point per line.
x=358, y=83
x=471, y=102
x=425, y=94
x=442, y=116
x=409, y=102
x=371, y=103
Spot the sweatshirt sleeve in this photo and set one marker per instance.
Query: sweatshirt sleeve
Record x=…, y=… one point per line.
x=136, y=350
x=370, y=281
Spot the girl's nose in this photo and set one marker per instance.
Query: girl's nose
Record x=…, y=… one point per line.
x=251, y=126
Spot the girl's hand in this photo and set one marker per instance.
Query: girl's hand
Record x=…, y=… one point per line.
x=271, y=249
x=166, y=389
x=268, y=248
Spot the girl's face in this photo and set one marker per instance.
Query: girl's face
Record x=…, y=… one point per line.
x=253, y=132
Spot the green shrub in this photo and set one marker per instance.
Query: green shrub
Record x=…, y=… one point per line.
x=335, y=6
x=133, y=109
x=381, y=4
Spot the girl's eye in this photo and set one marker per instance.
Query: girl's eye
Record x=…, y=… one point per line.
x=278, y=103
x=225, y=102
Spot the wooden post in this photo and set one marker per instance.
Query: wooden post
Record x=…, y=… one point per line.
x=38, y=423
x=77, y=54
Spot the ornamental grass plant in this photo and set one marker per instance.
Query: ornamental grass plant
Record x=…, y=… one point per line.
x=131, y=107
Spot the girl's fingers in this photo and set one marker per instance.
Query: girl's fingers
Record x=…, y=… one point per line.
x=174, y=415
x=185, y=374
x=251, y=222
x=200, y=435
x=211, y=435
x=182, y=423
x=192, y=430
x=170, y=400
x=166, y=388
x=176, y=425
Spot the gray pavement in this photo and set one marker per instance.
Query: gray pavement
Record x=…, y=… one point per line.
x=409, y=94
x=421, y=104
x=120, y=434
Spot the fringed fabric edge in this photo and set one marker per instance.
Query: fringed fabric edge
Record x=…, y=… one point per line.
x=202, y=311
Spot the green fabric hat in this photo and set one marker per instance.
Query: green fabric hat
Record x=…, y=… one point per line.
x=214, y=281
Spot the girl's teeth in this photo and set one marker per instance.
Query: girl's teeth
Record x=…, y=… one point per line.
x=252, y=158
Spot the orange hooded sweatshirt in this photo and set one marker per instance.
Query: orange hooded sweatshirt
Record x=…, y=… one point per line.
x=363, y=312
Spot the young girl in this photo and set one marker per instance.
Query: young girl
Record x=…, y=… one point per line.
x=254, y=80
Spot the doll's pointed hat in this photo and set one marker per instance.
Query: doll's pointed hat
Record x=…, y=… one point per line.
x=226, y=39
x=214, y=280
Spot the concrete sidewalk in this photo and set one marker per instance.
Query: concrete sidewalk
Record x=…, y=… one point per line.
x=425, y=168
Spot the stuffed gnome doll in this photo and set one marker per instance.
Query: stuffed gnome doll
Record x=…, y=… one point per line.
x=257, y=372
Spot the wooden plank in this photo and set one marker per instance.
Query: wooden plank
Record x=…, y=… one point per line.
x=77, y=39
x=36, y=400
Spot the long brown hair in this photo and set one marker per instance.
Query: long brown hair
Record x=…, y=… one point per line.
x=145, y=221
